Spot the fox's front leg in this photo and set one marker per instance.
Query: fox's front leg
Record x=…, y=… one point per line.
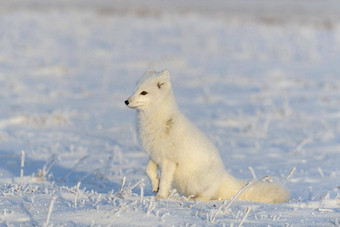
x=167, y=174
x=151, y=171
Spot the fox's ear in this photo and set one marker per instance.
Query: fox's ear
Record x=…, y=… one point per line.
x=164, y=78
x=165, y=73
x=150, y=71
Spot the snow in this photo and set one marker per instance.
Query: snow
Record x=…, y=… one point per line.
x=262, y=83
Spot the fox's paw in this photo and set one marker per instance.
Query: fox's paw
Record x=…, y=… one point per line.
x=199, y=198
x=158, y=196
x=155, y=190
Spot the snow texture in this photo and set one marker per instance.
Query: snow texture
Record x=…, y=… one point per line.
x=260, y=78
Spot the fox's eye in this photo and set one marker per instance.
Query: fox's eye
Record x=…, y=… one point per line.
x=143, y=93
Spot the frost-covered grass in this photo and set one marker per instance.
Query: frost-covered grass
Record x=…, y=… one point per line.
x=267, y=94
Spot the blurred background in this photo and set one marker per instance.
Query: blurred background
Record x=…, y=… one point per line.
x=260, y=77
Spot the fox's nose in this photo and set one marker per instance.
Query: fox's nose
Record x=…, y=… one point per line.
x=127, y=102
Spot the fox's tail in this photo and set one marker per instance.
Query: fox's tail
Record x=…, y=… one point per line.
x=255, y=191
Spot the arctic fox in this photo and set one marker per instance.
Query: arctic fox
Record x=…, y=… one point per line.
x=186, y=158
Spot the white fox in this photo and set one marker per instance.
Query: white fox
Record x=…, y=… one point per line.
x=186, y=158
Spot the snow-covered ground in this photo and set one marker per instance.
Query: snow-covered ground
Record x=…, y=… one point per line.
x=261, y=80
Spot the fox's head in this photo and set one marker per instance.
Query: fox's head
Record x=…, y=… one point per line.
x=151, y=91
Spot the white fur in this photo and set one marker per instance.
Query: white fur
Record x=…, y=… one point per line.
x=186, y=158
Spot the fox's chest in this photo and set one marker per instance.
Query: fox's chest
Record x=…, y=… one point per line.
x=156, y=138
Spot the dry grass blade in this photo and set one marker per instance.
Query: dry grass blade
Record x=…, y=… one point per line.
x=218, y=210
x=46, y=168
x=244, y=217
x=323, y=200
x=289, y=175
x=252, y=172
x=74, y=167
x=49, y=211
x=247, y=185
